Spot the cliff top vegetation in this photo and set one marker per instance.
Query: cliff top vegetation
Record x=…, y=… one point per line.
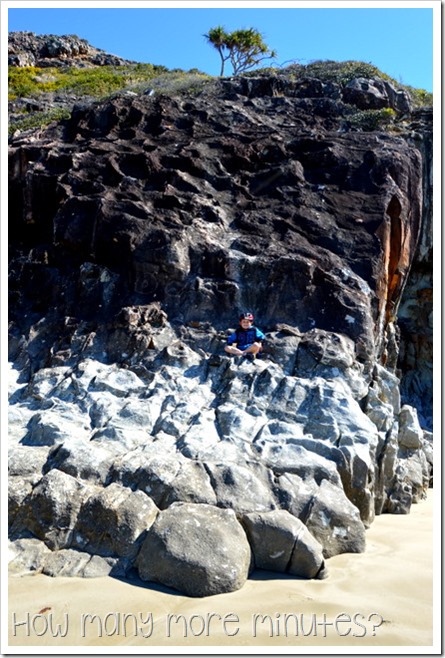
x=38, y=95
x=101, y=81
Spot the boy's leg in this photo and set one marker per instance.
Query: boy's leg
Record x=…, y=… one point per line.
x=253, y=349
x=233, y=350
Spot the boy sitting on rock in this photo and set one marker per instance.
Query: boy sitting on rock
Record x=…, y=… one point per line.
x=247, y=338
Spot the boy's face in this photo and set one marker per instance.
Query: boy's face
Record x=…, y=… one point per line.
x=245, y=324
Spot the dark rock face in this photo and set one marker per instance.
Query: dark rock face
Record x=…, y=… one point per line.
x=139, y=229
x=376, y=94
x=415, y=315
x=306, y=225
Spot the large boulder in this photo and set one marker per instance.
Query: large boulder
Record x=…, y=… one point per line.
x=50, y=511
x=280, y=542
x=69, y=562
x=113, y=521
x=376, y=93
x=410, y=432
x=335, y=522
x=241, y=488
x=166, y=478
x=198, y=549
x=30, y=555
x=51, y=426
x=85, y=460
x=27, y=555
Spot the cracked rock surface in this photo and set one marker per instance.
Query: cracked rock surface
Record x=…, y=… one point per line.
x=139, y=229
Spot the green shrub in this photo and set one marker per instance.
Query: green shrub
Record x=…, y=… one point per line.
x=421, y=97
x=21, y=82
x=369, y=120
x=38, y=120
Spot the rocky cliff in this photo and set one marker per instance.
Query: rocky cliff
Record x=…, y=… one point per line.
x=415, y=314
x=30, y=49
x=139, y=228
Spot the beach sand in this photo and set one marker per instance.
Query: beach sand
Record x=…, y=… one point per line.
x=380, y=598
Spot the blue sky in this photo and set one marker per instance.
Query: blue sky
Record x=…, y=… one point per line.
x=397, y=38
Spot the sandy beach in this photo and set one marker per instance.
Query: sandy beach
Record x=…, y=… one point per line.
x=381, y=598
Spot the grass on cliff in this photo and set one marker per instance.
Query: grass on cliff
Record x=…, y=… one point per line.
x=97, y=82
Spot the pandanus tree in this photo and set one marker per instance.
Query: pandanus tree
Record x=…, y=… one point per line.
x=243, y=48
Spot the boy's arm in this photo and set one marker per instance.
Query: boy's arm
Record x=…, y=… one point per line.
x=232, y=339
x=259, y=334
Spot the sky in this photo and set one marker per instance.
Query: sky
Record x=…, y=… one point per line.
x=397, y=37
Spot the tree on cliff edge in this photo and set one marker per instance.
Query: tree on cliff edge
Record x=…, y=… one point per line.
x=243, y=48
